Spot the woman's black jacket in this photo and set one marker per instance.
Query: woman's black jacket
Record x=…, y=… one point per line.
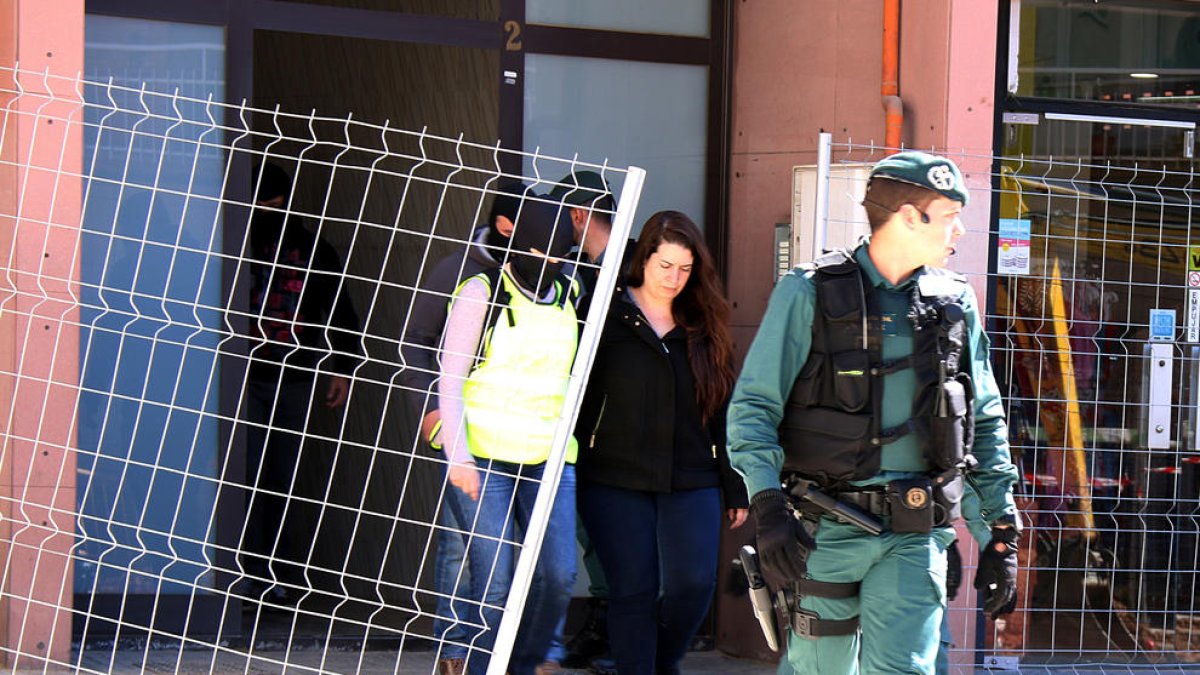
x=633, y=431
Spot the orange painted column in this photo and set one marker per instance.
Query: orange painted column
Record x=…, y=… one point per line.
x=778, y=108
x=40, y=204
x=8, y=350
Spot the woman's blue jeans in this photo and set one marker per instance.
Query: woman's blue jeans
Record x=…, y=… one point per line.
x=497, y=524
x=659, y=553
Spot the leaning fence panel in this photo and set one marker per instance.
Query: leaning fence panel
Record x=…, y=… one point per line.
x=216, y=378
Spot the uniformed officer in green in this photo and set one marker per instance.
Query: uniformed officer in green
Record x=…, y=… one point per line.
x=869, y=383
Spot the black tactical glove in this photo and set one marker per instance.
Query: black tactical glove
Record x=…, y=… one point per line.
x=953, y=570
x=997, y=573
x=783, y=543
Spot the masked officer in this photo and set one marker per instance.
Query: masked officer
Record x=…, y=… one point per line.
x=868, y=391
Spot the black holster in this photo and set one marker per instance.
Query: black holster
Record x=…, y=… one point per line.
x=808, y=624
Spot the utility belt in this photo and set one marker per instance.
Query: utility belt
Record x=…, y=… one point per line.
x=912, y=505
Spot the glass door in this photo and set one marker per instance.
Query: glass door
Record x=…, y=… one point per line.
x=150, y=280
x=1098, y=301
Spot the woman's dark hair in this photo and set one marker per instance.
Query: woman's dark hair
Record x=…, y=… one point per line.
x=701, y=307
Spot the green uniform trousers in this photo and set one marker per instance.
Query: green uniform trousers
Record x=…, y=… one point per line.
x=900, y=604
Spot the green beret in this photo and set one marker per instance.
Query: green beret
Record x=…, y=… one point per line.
x=928, y=171
x=581, y=188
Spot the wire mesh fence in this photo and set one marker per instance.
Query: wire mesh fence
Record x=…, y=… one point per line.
x=214, y=400
x=141, y=375
x=1078, y=234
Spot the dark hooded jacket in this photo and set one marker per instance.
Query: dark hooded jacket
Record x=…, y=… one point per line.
x=421, y=341
x=640, y=426
x=301, y=313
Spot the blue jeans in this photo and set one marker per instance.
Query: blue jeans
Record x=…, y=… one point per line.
x=558, y=649
x=659, y=552
x=451, y=580
x=500, y=519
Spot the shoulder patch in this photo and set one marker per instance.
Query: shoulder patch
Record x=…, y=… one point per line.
x=833, y=258
x=942, y=283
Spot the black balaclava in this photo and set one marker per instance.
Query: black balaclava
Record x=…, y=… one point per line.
x=547, y=228
x=507, y=203
x=271, y=181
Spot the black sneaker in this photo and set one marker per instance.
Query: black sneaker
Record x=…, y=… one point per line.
x=283, y=596
x=592, y=640
x=603, y=665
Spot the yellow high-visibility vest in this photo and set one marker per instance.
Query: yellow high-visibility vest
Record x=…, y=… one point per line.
x=513, y=399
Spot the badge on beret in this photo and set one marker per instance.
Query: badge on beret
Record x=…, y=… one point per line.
x=941, y=177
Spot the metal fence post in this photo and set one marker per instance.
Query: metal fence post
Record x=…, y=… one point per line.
x=821, y=219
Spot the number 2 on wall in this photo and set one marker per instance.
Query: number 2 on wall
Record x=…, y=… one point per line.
x=513, y=30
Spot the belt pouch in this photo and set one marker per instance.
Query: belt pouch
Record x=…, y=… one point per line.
x=951, y=432
x=947, y=499
x=911, y=503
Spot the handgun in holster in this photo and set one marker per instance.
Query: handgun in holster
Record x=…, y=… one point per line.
x=806, y=491
x=760, y=597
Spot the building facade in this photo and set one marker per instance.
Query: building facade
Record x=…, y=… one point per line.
x=1074, y=123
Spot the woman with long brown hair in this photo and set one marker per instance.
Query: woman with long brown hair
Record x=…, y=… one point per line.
x=652, y=468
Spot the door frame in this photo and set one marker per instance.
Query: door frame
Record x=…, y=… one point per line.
x=513, y=39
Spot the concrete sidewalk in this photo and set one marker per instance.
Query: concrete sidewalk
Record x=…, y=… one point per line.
x=715, y=663
x=344, y=661
x=308, y=642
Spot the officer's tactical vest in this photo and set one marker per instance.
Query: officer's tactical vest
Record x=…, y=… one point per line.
x=514, y=396
x=831, y=431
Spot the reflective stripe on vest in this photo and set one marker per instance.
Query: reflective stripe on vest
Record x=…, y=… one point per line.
x=513, y=399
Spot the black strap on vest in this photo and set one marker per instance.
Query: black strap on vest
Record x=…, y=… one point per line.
x=893, y=434
x=893, y=366
x=565, y=291
x=874, y=346
x=501, y=301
